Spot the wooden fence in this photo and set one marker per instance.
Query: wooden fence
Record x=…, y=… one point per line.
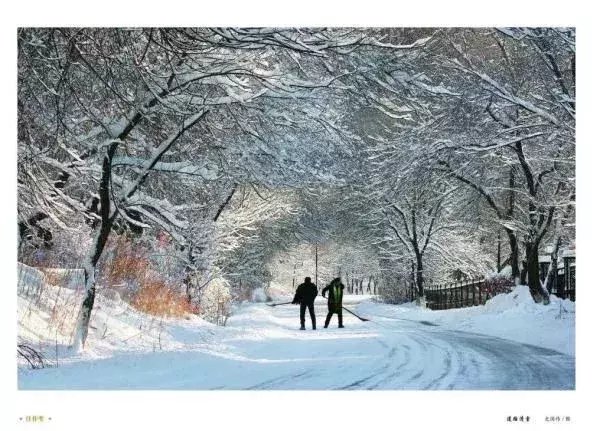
x=464, y=294
x=31, y=281
x=563, y=282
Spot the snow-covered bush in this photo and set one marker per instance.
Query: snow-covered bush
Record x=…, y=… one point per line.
x=395, y=289
x=215, y=301
x=259, y=295
x=67, y=249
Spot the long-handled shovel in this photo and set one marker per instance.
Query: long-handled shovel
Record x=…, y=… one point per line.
x=281, y=303
x=356, y=315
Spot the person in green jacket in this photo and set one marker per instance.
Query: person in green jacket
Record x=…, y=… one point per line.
x=334, y=300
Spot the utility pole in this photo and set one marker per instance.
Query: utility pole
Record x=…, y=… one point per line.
x=316, y=263
x=294, y=276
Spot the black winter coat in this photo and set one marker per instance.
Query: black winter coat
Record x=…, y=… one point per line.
x=306, y=293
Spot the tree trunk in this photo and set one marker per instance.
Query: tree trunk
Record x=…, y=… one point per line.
x=189, y=270
x=512, y=237
x=523, y=277
x=107, y=219
x=187, y=282
x=89, y=269
x=419, y=281
x=536, y=289
x=498, y=255
x=514, y=255
x=551, y=277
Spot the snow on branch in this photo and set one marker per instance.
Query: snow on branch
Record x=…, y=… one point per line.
x=504, y=93
x=149, y=164
x=189, y=168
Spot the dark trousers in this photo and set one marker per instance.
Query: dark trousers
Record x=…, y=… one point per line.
x=311, y=310
x=328, y=318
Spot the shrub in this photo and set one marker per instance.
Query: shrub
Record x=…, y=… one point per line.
x=34, y=358
x=126, y=263
x=259, y=295
x=157, y=298
x=215, y=301
x=497, y=284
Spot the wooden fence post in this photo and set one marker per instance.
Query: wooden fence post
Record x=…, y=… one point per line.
x=457, y=296
x=469, y=291
x=465, y=293
x=446, y=296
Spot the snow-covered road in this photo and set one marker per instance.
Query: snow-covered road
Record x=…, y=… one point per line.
x=262, y=348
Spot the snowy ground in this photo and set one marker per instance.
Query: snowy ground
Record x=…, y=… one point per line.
x=261, y=348
x=514, y=316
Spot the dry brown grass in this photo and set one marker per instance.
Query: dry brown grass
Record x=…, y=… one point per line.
x=127, y=264
x=53, y=278
x=157, y=298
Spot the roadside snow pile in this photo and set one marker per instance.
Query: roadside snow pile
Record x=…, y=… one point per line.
x=513, y=316
x=46, y=316
x=519, y=298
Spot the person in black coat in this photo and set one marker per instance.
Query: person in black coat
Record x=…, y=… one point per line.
x=334, y=300
x=305, y=296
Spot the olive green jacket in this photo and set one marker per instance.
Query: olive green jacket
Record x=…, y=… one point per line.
x=336, y=294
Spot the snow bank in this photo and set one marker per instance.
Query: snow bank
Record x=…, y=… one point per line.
x=513, y=316
x=262, y=348
x=30, y=281
x=46, y=322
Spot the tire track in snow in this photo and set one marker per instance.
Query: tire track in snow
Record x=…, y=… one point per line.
x=477, y=361
x=358, y=384
x=278, y=380
x=266, y=351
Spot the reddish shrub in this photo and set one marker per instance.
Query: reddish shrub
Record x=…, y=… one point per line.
x=157, y=298
x=127, y=263
x=495, y=286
